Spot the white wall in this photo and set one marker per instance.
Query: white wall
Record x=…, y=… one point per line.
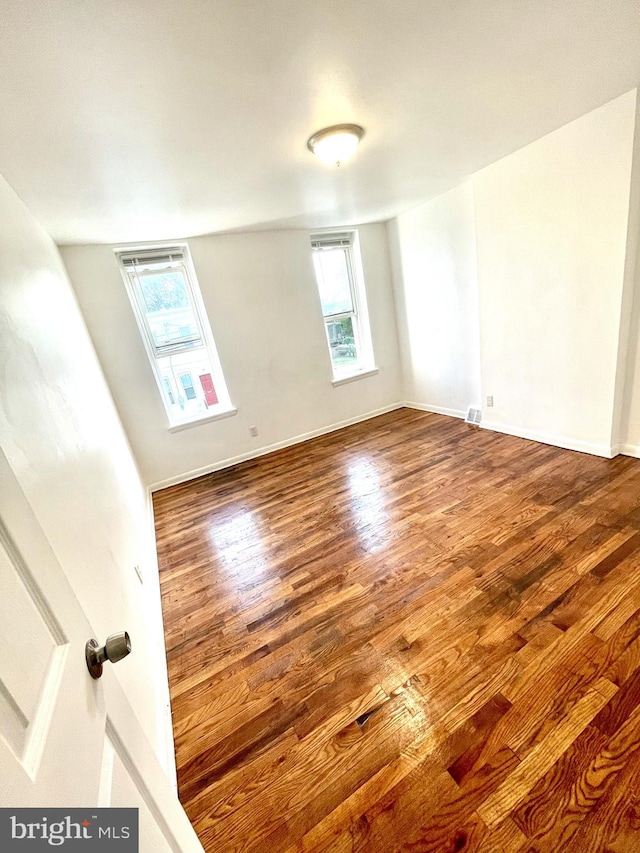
x=630, y=428
x=260, y=293
x=551, y=224
x=62, y=437
x=545, y=241
x=629, y=398
x=434, y=265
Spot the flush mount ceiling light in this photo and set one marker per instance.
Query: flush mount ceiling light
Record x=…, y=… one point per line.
x=334, y=145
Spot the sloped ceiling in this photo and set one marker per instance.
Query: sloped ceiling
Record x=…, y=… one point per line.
x=126, y=120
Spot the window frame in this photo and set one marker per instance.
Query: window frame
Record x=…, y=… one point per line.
x=348, y=241
x=136, y=262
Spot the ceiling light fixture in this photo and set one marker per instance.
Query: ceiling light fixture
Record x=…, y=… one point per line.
x=334, y=145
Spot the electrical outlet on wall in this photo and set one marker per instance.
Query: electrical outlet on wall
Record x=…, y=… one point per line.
x=490, y=400
x=253, y=430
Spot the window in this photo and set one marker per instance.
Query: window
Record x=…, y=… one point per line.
x=166, y=300
x=187, y=385
x=167, y=390
x=338, y=269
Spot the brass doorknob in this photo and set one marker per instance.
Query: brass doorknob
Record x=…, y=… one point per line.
x=116, y=647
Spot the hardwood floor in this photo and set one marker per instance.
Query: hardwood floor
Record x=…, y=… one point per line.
x=407, y=635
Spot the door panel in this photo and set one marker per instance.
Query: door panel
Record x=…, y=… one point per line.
x=66, y=739
x=120, y=788
x=32, y=658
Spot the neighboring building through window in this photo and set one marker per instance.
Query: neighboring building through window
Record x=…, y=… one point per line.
x=166, y=300
x=338, y=269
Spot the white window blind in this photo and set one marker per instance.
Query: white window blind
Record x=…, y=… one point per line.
x=331, y=241
x=141, y=260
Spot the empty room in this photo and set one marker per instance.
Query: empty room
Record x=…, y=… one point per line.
x=320, y=425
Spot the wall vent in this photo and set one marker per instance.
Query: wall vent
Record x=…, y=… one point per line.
x=474, y=416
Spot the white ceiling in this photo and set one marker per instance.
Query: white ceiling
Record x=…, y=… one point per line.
x=128, y=120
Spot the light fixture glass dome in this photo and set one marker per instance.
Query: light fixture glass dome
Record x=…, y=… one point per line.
x=334, y=145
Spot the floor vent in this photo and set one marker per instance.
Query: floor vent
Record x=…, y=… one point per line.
x=474, y=416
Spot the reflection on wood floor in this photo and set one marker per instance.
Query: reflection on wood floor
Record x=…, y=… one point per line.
x=407, y=635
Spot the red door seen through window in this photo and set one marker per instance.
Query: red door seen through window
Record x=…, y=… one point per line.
x=210, y=396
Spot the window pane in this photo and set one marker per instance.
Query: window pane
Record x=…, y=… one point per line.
x=171, y=318
x=332, y=272
x=342, y=343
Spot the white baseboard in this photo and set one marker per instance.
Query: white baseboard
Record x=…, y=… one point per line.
x=166, y=748
x=436, y=410
x=169, y=764
x=630, y=450
x=566, y=442
x=270, y=448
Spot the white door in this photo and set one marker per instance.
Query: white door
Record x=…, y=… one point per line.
x=67, y=740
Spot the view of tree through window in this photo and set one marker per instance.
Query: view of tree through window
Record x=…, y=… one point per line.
x=164, y=291
x=169, y=312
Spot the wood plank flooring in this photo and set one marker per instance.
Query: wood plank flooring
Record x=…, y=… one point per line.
x=409, y=635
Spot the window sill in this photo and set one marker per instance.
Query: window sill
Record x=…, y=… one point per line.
x=353, y=376
x=226, y=413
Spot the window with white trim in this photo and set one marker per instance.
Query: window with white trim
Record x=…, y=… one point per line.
x=166, y=300
x=338, y=269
